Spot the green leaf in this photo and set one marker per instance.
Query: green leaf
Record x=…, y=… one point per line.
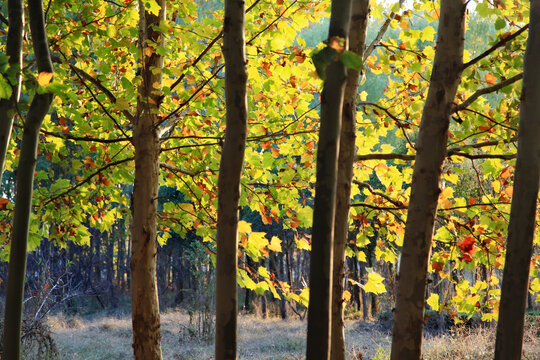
x=500, y=23
x=351, y=60
x=321, y=59
x=5, y=88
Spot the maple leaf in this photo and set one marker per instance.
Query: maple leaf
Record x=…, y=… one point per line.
x=490, y=79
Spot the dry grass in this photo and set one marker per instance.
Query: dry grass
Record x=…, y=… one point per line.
x=109, y=337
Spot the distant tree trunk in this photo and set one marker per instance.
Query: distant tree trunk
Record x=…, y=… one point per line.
x=320, y=277
x=144, y=296
x=347, y=147
x=509, y=340
x=430, y=154
x=230, y=170
x=25, y=180
x=8, y=107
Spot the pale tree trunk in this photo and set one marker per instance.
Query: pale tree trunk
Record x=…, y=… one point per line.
x=509, y=341
x=8, y=107
x=25, y=180
x=230, y=170
x=144, y=296
x=320, y=276
x=347, y=146
x=430, y=154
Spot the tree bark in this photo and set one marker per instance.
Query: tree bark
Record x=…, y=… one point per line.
x=230, y=170
x=144, y=296
x=430, y=154
x=347, y=147
x=25, y=180
x=320, y=297
x=8, y=107
x=509, y=341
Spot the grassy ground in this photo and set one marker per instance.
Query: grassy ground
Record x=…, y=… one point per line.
x=109, y=337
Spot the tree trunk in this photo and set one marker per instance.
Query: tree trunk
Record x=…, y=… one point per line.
x=8, y=107
x=320, y=296
x=509, y=340
x=144, y=297
x=230, y=170
x=430, y=154
x=25, y=180
x=347, y=147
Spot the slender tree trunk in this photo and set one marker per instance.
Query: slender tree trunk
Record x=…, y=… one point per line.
x=8, y=107
x=509, y=341
x=347, y=147
x=430, y=154
x=25, y=180
x=320, y=277
x=144, y=296
x=230, y=170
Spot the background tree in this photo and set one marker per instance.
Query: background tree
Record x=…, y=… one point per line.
x=521, y=229
x=230, y=171
x=39, y=108
x=430, y=156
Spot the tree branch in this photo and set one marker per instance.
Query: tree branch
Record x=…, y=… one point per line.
x=486, y=90
x=497, y=45
x=381, y=33
x=83, y=138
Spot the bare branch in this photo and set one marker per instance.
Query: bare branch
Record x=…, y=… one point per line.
x=83, y=138
x=381, y=33
x=177, y=169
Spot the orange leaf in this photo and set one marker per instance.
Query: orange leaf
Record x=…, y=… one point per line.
x=44, y=78
x=505, y=173
x=490, y=79
x=275, y=152
x=3, y=203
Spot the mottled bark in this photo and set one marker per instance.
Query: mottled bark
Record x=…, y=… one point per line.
x=8, y=107
x=230, y=170
x=509, y=340
x=25, y=180
x=320, y=276
x=144, y=295
x=347, y=146
x=430, y=155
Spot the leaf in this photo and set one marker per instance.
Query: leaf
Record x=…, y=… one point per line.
x=244, y=227
x=44, y=78
x=433, y=302
x=5, y=88
x=346, y=296
x=351, y=60
x=500, y=23
x=152, y=7
x=490, y=79
x=303, y=244
x=263, y=272
x=375, y=284
x=3, y=203
x=275, y=244
x=321, y=59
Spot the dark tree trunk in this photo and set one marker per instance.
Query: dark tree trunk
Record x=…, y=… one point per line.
x=509, y=340
x=230, y=170
x=320, y=276
x=25, y=180
x=430, y=155
x=347, y=147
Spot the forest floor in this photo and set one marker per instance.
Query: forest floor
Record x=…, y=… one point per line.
x=103, y=336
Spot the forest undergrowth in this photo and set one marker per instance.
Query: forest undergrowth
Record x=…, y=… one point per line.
x=106, y=336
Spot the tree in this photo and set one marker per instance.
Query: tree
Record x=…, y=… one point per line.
x=144, y=294
x=430, y=155
x=521, y=228
x=11, y=87
x=357, y=39
x=230, y=170
x=25, y=181
x=320, y=275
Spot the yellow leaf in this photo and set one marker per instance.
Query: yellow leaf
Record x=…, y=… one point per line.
x=535, y=286
x=244, y=227
x=346, y=296
x=363, y=96
x=375, y=284
x=433, y=301
x=302, y=244
x=275, y=244
x=263, y=272
x=44, y=78
x=404, y=24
